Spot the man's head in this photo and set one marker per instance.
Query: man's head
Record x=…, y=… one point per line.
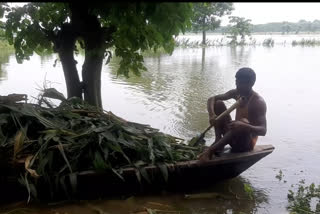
x=245, y=79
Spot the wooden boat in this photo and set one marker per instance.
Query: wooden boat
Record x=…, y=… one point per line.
x=180, y=176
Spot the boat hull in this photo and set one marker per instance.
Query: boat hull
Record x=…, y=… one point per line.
x=181, y=176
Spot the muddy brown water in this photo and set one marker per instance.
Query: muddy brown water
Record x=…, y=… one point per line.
x=172, y=96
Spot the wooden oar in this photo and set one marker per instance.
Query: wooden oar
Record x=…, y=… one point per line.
x=199, y=138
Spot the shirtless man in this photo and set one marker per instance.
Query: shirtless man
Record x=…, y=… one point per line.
x=250, y=121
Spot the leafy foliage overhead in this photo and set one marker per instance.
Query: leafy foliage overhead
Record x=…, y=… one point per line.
x=128, y=27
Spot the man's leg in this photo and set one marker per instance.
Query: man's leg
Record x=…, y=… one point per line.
x=243, y=142
x=226, y=139
x=221, y=126
x=240, y=141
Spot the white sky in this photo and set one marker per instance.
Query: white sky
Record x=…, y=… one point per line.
x=261, y=13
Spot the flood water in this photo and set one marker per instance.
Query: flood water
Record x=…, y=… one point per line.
x=172, y=96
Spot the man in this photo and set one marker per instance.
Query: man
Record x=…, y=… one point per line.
x=250, y=121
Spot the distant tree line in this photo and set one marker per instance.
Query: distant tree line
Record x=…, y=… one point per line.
x=283, y=27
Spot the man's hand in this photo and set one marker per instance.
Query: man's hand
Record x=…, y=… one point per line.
x=239, y=125
x=205, y=156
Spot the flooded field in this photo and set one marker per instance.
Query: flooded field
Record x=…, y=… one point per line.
x=172, y=96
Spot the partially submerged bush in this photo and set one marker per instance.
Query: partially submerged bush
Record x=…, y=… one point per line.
x=268, y=42
x=306, y=42
x=302, y=200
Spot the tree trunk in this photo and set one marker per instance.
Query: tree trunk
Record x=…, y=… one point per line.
x=65, y=51
x=91, y=70
x=204, y=37
x=89, y=29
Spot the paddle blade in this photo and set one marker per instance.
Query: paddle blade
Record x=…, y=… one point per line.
x=197, y=140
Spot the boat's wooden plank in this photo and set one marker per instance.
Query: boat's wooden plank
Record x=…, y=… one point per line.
x=259, y=152
x=189, y=174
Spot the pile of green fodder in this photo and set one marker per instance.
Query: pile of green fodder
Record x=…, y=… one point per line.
x=55, y=142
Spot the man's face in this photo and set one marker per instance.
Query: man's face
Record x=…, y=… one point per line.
x=244, y=86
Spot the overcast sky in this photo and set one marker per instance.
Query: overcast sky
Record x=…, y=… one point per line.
x=261, y=13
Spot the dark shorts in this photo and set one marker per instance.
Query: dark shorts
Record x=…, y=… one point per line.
x=243, y=142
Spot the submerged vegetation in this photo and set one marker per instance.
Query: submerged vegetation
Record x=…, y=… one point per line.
x=57, y=142
x=306, y=42
x=250, y=41
x=305, y=200
x=302, y=26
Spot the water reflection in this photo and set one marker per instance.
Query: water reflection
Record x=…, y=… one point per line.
x=224, y=197
x=203, y=57
x=231, y=197
x=240, y=55
x=180, y=85
x=4, y=59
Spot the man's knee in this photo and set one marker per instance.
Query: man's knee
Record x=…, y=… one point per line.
x=219, y=107
x=244, y=120
x=240, y=131
x=241, y=140
x=237, y=132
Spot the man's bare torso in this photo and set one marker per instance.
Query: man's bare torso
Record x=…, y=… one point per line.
x=253, y=105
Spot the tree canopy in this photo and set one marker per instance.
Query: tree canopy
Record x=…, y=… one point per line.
x=206, y=16
x=240, y=26
x=127, y=28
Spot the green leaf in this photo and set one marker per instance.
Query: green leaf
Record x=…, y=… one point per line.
x=73, y=182
x=248, y=189
x=138, y=175
x=98, y=162
x=144, y=173
x=109, y=136
x=151, y=152
x=63, y=185
x=60, y=147
x=164, y=170
x=117, y=173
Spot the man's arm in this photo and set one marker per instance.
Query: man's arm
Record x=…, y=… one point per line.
x=211, y=101
x=259, y=126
